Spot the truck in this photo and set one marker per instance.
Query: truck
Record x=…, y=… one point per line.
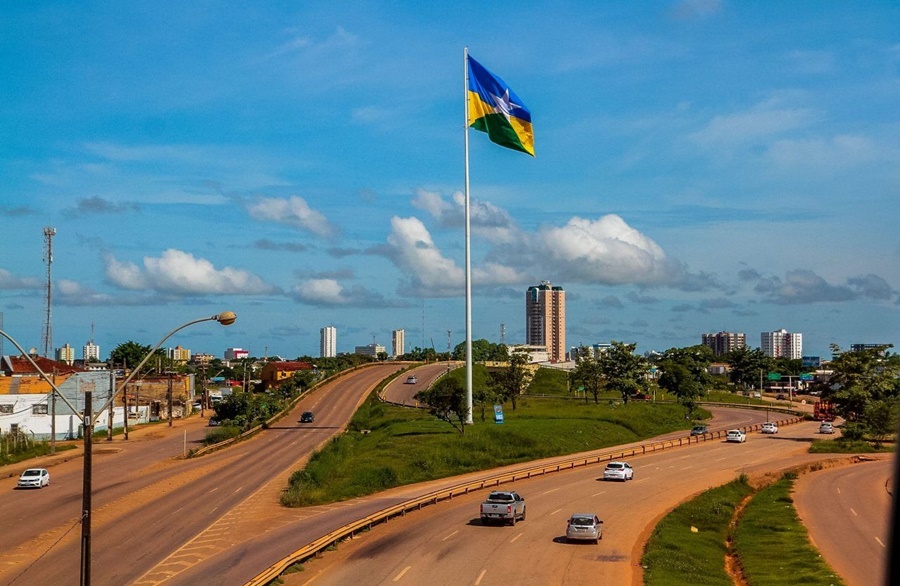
x=503, y=507
x=823, y=411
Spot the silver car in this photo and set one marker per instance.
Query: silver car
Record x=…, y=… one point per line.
x=34, y=478
x=584, y=527
x=618, y=471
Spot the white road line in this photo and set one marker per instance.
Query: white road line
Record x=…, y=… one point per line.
x=551, y=490
x=686, y=467
x=239, y=489
x=839, y=491
x=598, y=493
x=400, y=575
x=556, y=511
x=879, y=542
x=480, y=576
x=516, y=537
x=855, y=514
x=639, y=479
x=451, y=535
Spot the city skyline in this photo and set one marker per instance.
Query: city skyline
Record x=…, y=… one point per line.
x=700, y=166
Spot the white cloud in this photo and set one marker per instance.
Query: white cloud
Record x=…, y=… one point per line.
x=761, y=122
x=10, y=281
x=411, y=248
x=180, y=273
x=487, y=220
x=330, y=293
x=839, y=152
x=293, y=211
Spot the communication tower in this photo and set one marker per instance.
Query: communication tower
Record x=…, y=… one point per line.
x=47, y=337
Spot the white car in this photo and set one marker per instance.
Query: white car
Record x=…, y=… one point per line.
x=769, y=427
x=826, y=427
x=411, y=379
x=584, y=527
x=736, y=436
x=34, y=478
x=618, y=471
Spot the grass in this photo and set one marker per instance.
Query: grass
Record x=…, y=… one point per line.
x=34, y=450
x=677, y=555
x=403, y=446
x=841, y=446
x=773, y=544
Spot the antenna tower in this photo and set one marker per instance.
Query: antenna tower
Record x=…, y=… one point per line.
x=502, y=334
x=47, y=338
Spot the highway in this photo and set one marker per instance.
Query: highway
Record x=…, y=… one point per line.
x=847, y=512
x=147, y=505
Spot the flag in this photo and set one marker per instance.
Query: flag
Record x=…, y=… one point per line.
x=496, y=110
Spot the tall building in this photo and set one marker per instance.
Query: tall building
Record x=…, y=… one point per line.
x=90, y=352
x=398, y=343
x=179, y=354
x=545, y=319
x=724, y=342
x=782, y=343
x=66, y=354
x=236, y=354
x=328, y=342
x=370, y=350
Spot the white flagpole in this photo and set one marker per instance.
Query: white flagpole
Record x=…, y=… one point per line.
x=468, y=251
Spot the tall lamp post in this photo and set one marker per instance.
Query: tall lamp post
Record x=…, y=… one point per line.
x=225, y=318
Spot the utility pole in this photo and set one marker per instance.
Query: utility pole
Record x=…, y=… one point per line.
x=169, y=398
x=86, y=493
x=47, y=337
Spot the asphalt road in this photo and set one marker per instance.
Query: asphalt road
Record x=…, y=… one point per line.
x=446, y=543
x=847, y=513
x=147, y=505
x=400, y=392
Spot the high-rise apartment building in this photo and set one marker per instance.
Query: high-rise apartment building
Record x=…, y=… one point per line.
x=545, y=319
x=782, y=343
x=179, y=354
x=724, y=342
x=398, y=343
x=65, y=354
x=328, y=342
x=90, y=352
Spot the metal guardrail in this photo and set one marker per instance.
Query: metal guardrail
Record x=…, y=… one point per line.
x=334, y=537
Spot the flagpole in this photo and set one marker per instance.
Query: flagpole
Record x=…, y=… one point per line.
x=468, y=244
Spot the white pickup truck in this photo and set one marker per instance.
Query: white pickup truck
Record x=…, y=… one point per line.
x=503, y=507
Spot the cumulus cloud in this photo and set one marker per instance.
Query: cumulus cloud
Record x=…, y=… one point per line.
x=8, y=281
x=486, y=220
x=803, y=286
x=72, y=293
x=293, y=211
x=412, y=249
x=179, y=273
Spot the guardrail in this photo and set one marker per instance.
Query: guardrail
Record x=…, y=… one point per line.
x=492, y=480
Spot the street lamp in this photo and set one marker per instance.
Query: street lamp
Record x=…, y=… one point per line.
x=225, y=318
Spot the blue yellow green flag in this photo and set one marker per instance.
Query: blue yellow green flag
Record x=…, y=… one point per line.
x=496, y=110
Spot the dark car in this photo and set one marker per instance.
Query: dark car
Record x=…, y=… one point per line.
x=307, y=417
x=699, y=430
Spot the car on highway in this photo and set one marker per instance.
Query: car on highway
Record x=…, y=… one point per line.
x=411, y=379
x=780, y=397
x=584, y=527
x=34, y=478
x=618, y=471
x=307, y=417
x=826, y=427
x=736, y=436
x=769, y=427
x=699, y=430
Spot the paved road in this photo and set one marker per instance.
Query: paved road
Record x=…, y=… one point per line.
x=289, y=530
x=148, y=506
x=446, y=543
x=400, y=392
x=847, y=513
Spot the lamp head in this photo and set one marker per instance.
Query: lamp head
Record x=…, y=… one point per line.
x=226, y=318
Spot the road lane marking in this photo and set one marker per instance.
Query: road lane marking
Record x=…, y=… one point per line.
x=879, y=542
x=480, y=576
x=855, y=514
x=516, y=537
x=598, y=493
x=839, y=491
x=549, y=491
x=451, y=535
x=686, y=467
x=400, y=575
x=556, y=511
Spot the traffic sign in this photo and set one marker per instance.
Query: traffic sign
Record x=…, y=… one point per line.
x=774, y=376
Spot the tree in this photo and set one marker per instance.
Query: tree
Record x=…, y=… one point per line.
x=482, y=351
x=446, y=400
x=862, y=376
x=623, y=370
x=881, y=419
x=509, y=382
x=131, y=353
x=482, y=397
x=685, y=373
x=747, y=367
x=588, y=373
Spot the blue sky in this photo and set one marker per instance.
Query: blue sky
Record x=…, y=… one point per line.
x=700, y=166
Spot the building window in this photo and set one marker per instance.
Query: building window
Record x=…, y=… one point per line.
x=6, y=408
x=39, y=410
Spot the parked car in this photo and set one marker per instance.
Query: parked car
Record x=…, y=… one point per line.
x=735, y=435
x=307, y=417
x=34, y=478
x=826, y=427
x=411, y=379
x=503, y=507
x=584, y=527
x=780, y=397
x=699, y=430
x=769, y=427
x=214, y=422
x=618, y=471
